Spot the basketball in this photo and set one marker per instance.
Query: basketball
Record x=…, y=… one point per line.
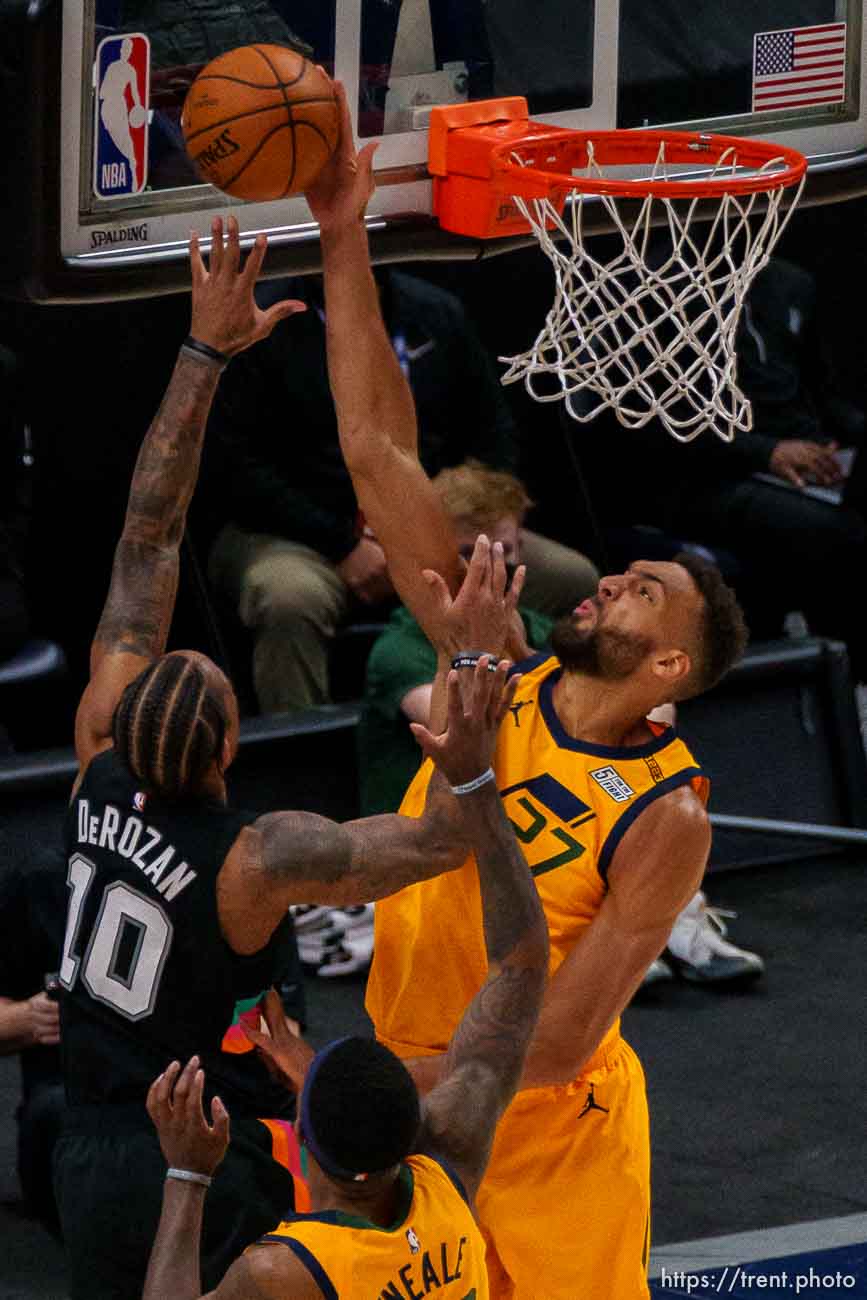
x=260, y=122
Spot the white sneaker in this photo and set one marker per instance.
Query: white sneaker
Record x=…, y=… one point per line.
x=314, y=944
x=698, y=952
x=347, y=956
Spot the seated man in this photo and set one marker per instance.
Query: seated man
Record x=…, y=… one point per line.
x=391, y=1180
x=295, y=558
x=402, y=664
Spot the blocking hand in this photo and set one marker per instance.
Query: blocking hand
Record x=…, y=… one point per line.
x=225, y=313
x=174, y=1103
x=481, y=616
x=341, y=192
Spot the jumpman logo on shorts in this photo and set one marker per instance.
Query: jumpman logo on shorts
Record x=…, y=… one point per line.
x=591, y=1104
x=515, y=709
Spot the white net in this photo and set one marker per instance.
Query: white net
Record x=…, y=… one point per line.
x=648, y=329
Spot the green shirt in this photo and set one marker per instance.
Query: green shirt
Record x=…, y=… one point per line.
x=401, y=659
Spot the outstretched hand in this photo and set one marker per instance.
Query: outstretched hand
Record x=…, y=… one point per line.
x=478, y=700
x=341, y=192
x=482, y=614
x=285, y=1055
x=174, y=1103
x=225, y=313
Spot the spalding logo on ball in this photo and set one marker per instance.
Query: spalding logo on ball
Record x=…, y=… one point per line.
x=260, y=122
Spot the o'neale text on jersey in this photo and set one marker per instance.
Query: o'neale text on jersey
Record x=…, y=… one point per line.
x=142, y=845
x=418, y=1278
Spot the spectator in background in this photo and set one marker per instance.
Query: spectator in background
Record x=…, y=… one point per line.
x=402, y=664
x=32, y=911
x=294, y=558
x=794, y=552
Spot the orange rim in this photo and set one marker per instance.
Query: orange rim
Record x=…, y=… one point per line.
x=568, y=148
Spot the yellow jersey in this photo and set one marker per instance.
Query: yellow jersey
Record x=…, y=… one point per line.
x=570, y=803
x=433, y=1249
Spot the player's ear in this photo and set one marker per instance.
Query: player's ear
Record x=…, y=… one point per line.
x=672, y=666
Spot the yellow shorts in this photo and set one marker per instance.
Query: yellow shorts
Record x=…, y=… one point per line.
x=565, y=1204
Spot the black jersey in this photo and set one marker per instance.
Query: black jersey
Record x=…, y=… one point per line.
x=148, y=976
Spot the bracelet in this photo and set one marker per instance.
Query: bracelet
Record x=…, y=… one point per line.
x=476, y=784
x=204, y=351
x=189, y=1176
x=469, y=659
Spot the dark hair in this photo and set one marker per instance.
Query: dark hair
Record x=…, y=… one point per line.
x=723, y=632
x=362, y=1106
x=168, y=726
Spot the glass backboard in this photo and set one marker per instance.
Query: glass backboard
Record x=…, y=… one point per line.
x=122, y=194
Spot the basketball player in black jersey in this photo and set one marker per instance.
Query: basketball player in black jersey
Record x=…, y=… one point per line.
x=176, y=902
x=392, y=1180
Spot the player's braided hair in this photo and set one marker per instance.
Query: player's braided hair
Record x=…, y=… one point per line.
x=168, y=727
x=723, y=632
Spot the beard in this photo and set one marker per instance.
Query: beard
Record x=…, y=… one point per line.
x=598, y=651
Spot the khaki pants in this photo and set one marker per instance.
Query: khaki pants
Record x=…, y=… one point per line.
x=293, y=600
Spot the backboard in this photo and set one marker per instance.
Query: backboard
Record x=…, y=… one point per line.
x=102, y=211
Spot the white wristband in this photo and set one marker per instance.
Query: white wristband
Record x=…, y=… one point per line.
x=189, y=1176
x=476, y=784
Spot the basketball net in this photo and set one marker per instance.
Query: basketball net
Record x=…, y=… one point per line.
x=650, y=334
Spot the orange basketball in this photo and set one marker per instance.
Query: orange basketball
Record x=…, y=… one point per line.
x=260, y=122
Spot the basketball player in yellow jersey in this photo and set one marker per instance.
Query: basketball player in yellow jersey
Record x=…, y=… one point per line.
x=391, y=1183
x=608, y=808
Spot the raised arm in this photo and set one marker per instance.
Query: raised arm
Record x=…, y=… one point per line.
x=194, y=1145
x=141, y=598
x=482, y=1067
x=374, y=404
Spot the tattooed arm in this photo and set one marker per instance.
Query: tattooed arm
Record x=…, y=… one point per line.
x=297, y=857
x=141, y=598
x=300, y=857
x=482, y=1066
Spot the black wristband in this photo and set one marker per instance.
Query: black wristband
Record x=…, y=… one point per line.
x=205, y=350
x=469, y=659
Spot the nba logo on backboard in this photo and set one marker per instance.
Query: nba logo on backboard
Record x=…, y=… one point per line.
x=121, y=93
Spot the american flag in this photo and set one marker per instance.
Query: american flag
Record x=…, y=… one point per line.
x=799, y=67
